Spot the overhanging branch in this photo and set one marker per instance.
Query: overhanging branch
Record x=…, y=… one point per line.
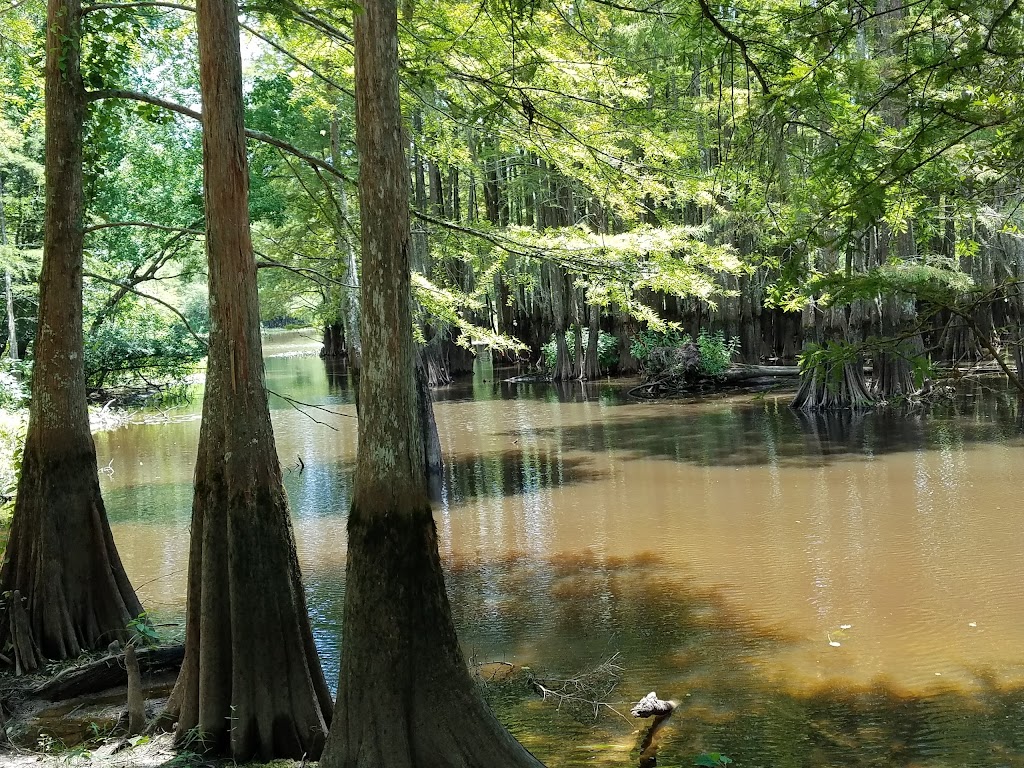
x=144, y=225
x=175, y=310
x=266, y=138
x=121, y=6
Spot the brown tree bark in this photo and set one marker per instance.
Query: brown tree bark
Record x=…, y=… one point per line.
x=60, y=553
x=405, y=695
x=251, y=685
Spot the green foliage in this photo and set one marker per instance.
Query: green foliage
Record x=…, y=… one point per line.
x=142, y=630
x=926, y=282
x=714, y=351
x=140, y=345
x=607, y=350
x=448, y=307
x=12, y=451
x=649, y=339
x=14, y=389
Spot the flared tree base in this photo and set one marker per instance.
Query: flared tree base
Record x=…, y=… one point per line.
x=893, y=378
x=251, y=685
x=61, y=556
x=832, y=388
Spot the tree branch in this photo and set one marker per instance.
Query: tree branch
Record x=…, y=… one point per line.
x=301, y=16
x=986, y=342
x=268, y=263
x=284, y=52
x=114, y=93
x=296, y=403
x=122, y=6
x=139, y=293
x=739, y=41
x=144, y=225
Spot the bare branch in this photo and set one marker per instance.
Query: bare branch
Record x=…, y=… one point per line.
x=296, y=403
x=309, y=68
x=268, y=263
x=584, y=691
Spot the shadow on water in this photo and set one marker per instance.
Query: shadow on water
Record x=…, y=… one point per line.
x=689, y=644
x=746, y=434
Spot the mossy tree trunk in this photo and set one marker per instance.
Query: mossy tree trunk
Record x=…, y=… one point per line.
x=251, y=685
x=60, y=554
x=405, y=695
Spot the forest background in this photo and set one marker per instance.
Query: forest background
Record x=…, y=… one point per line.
x=834, y=182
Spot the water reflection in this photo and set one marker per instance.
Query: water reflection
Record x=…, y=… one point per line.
x=729, y=433
x=815, y=589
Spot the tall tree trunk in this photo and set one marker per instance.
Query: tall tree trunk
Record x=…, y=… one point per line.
x=405, y=695
x=251, y=684
x=593, y=358
x=60, y=553
x=347, y=260
x=12, y=328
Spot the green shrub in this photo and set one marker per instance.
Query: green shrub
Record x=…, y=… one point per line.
x=667, y=351
x=140, y=345
x=647, y=340
x=715, y=352
x=607, y=350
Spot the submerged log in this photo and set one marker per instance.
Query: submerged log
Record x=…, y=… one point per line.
x=108, y=672
x=651, y=706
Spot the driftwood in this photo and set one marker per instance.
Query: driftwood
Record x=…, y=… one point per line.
x=746, y=372
x=108, y=672
x=668, y=384
x=587, y=691
x=136, y=699
x=651, y=706
x=26, y=655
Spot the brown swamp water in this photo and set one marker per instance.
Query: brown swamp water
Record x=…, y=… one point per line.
x=814, y=590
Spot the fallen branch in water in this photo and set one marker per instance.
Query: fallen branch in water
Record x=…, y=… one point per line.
x=586, y=691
